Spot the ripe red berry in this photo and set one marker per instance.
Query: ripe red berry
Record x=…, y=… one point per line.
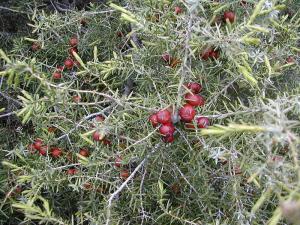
x=71, y=171
x=124, y=174
x=72, y=50
x=43, y=150
x=202, y=122
x=84, y=152
x=118, y=161
x=56, y=75
x=76, y=98
x=96, y=136
x=35, y=47
x=187, y=113
x=56, y=152
x=178, y=10
x=38, y=144
x=106, y=142
x=167, y=129
x=164, y=116
x=194, y=100
x=205, y=55
x=214, y=54
x=73, y=41
x=194, y=87
x=69, y=63
x=166, y=57
x=168, y=139
x=153, y=120
x=99, y=118
x=229, y=15
x=290, y=59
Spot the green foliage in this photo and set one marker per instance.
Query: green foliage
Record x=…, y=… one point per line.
x=243, y=169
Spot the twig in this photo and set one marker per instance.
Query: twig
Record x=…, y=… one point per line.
x=113, y=195
x=7, y=114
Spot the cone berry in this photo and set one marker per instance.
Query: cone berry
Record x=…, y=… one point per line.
x=194, y=100
x=118, y=161
x=69, y=63
x=84, y=152
x=73, y=41
x=202, y=122
x=194, y=87
x=56, y=152
x=164, y=116
x=153, y=120
x=230, y=16
x=187, y=113
x=167, y=130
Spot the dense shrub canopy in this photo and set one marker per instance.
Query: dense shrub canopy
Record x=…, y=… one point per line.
x=80, y=79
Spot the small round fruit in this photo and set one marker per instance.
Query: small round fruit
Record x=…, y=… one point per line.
x=43, y=150
x=56, y=152
x=72, y=171
x=72, y=50
x=124, y=174
x=205, y=55
x=35, y=47
x=38, y=144
x=69, y=63
x=96, y=136
x=178, y=10
x=187, y=113
x=164, y=116
x=166, y=57
x=167, y=130
x=73, y=41
x=214, y=54
x=194, y=87
x=168, y=139
x=202, y=122
x=153, y=120
x=194, y=100
x=99, y=118
x=84, y=152
x=31, y=148
x=76, y=98
x=118, y=161
x=230, y=16
x=56, y=75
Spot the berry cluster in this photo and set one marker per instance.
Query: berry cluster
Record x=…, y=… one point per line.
x=124, y=172
x=69, y=62
x=165, y=119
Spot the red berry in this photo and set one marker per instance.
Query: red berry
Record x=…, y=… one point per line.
x=96, y=136
x=118, y=161
x=69, y=63
x=71, y=171
x=124, y=174
x=99, y=118
x=214, y=54
x=178, y=10
x=167, y=130
x=84, y=152
x=56, y=152
x=60, y=68
x=38, y=144
x=56, y=75
x=76, y=98
x=290, y=59
x=35, y=47
x=153, y=120
x=43, y=150
x=194, y=100
x=187, y=113
x=106, y=142
x=229, y=15
x=166, y=57
x=168, y=139
x=120, y=34
x=72, y=50
x=73, y=41
x=164, y=116
x=206, y=54
x=194, y=87
x=202, y=122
